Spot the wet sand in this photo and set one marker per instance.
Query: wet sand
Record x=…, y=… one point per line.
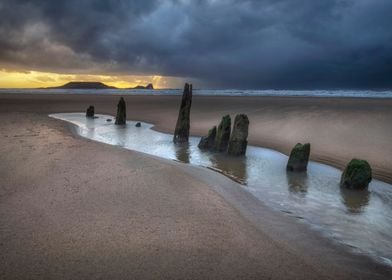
x=339, y=129
x=75, y=209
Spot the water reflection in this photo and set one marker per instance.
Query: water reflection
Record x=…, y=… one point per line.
x=314, y=195
x=182, y=152
x=297, y=182
x=121, y=136
x=355, y=200
x=234, y=167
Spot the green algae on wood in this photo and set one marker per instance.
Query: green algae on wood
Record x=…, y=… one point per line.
x=356, y=175
x=299, y=158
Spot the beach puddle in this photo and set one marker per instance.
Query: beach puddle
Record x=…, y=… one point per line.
x=362, y=220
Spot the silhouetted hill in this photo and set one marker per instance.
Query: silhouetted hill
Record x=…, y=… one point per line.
x=149, y=86
x=83, y=85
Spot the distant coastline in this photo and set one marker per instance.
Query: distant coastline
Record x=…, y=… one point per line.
x=94, y=85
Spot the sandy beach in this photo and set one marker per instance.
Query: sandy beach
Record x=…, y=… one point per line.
x=76, y=209
x=338, y=129
x=195, y=140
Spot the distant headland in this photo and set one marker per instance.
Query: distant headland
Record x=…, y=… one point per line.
x=149, y=86
x=94, y=85
x=83, y=85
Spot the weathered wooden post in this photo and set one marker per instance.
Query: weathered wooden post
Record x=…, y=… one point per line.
x=356, y=175
x=181, y=133
x=223, y=134
x=299, y=158
x=90, y=112
x=208, y=142
x=239, y=137
x=121, y=117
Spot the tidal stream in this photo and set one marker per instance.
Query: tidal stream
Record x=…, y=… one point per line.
x=361, y=220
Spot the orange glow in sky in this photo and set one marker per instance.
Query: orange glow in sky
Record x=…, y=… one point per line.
x=34, y=79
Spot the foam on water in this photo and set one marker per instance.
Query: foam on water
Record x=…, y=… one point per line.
x=361, y=220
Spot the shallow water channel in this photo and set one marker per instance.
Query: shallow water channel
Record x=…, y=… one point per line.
x=361, y=220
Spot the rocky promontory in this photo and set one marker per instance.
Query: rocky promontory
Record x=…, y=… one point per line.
x=83, y=85
x=149, y=86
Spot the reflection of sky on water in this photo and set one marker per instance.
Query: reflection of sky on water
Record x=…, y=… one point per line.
x=361, y=219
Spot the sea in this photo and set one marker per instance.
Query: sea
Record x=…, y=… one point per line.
x=214, y=92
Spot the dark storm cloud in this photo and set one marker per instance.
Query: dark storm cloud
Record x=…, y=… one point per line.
x=243, y=44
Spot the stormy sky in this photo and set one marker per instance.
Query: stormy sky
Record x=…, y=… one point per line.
x=281, y=44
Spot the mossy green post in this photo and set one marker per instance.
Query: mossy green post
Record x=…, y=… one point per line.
x=357, y=175
x=299, y=158
x=181, y=133
x=208, y=142
x=90, y=112
x=121, y=117
x=239, y=137
x=223, y=134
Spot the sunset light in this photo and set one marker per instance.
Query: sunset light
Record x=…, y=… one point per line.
x=35, y=79
x=195, y=139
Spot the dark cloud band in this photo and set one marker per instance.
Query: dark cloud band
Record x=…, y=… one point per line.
x=223, y=43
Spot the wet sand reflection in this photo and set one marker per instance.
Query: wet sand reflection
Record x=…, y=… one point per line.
x=314, y=195
x=234, y=167
x=355, y=200
x=297, y=182
x=182, y=152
